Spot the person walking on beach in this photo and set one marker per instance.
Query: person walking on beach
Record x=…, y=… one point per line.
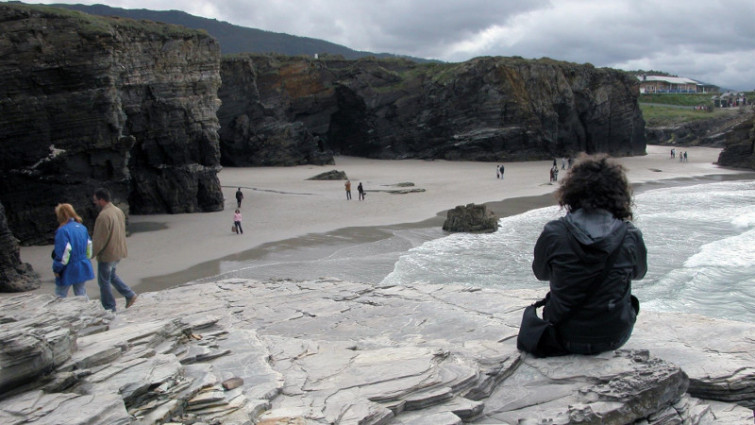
x=347, y=186
x=109, y=246
x=500, y=169
x=590, y=256
x=239, y=198
x=70, y=257
x=360, y=189
x=237, y=222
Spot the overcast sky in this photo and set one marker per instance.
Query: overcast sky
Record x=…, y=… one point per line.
x=708, y=40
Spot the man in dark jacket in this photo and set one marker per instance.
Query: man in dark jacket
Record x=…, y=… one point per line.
x=239, y=198
x=592, y=310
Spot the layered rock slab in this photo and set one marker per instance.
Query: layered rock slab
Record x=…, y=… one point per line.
x=328, y=351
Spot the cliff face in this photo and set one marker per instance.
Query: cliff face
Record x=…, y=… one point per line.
x=272, y=111
x=739, y=147
x=705, y=132
x=88, y=102
x=490, y=109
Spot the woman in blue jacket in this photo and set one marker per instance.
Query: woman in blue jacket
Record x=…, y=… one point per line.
x=73, y=249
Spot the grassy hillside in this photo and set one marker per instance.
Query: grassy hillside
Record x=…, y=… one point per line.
x=661, y=110
x=664, y=116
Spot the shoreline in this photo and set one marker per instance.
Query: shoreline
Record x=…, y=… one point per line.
x=311, y=248
x=287, y=215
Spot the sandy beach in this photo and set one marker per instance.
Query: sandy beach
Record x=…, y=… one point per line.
x=282, y=208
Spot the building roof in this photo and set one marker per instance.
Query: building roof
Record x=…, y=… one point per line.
x=666, y=79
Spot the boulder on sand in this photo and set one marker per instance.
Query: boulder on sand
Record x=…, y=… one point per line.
x=471, y=218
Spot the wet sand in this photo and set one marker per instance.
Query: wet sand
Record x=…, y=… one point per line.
x=292, y=223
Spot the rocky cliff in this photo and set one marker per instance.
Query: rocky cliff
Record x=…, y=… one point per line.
x=88, y=101
x=703, y=132
x=489, y=109
x=273, y=111
x=739, y=146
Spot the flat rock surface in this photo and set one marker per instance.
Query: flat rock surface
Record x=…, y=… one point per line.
x=328, y=351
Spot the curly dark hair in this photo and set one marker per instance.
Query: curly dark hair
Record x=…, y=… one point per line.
x=597, y=182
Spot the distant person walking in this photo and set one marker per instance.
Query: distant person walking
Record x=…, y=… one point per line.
x=554, y=174
x=70, y=257
x=239, y=198
x=360, y=189
x=500, y=169
x=347, y=186
x=109, y=246
x=237, y=222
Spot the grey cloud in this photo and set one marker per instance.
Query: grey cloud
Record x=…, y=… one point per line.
x=707, y=40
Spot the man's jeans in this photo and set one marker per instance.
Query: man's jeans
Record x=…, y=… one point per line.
x=105, y=277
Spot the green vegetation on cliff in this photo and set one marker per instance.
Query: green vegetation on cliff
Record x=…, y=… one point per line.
x=666, y=116
x=97, y=25
x=664, y=110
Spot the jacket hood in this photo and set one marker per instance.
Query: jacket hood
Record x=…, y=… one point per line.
x=597, y=232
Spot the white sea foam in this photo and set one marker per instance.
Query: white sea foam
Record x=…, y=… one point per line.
x=700, y=242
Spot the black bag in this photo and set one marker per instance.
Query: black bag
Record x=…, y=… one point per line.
x=538, y=336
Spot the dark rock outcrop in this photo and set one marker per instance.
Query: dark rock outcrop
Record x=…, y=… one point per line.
x=272, y=110
x=330, y=175
x=487, y=109
x=739, y=148
x=15, y=275
x=88, y=101
x=471, y=218
x=705, y=132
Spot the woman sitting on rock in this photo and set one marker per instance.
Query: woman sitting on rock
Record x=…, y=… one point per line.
x=590, y=257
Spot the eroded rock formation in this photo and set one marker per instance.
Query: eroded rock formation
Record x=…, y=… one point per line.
x=272, y=111
x=739, y=147
x=484, y=109
x=15, y=275
x=327, y=351
x=470, y=218
x=704, y=132
x=88, y=101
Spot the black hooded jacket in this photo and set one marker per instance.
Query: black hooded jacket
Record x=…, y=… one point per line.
x=571, y=253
